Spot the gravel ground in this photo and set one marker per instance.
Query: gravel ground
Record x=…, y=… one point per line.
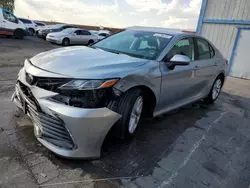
x=196, y=146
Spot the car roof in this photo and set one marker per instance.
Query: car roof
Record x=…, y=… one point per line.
x=169, y=31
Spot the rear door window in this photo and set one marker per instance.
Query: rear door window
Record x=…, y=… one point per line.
x=205, y=50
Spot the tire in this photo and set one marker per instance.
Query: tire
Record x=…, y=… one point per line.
x=90, y=42
x=124, y=106
x=217, y=85
x=18, y=34
x=31, y=31
x=66, y=42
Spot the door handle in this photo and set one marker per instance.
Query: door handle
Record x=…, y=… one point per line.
x=196, y=68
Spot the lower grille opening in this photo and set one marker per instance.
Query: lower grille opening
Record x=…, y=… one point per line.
x=53, y=128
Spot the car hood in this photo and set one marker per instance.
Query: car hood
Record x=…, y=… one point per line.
x=85, y=62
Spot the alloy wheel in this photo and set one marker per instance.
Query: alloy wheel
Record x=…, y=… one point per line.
x=135, y=115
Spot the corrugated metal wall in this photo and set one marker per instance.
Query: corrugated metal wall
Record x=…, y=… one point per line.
x=228, y=9
x=223, y=35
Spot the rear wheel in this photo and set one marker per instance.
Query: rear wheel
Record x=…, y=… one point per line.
x=19, y=34
x=130, y=106
x=66, y=42
x=31, y=31
x=215, y=90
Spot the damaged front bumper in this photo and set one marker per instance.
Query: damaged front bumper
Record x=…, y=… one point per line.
x=68, y=131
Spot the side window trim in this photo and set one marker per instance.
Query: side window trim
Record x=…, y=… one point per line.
x=212, y=51
x=195, y=49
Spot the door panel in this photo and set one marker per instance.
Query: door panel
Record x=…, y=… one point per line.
x=178, y=84
x=206, y=67
x=85, y=37
x=76, y=37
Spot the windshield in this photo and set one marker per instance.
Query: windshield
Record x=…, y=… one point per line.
x=69, y=30
x=141, y=44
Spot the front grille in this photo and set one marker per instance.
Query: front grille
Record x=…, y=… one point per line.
x=53, y=128
x=51, y=84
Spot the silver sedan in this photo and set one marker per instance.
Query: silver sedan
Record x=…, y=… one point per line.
x=72, y=36
x=76, y=95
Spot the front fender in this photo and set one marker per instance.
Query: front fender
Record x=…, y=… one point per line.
x=152, y=80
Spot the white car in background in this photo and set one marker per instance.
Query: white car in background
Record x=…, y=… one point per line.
x=100, y=34
x=72, y=36
x=31, y=25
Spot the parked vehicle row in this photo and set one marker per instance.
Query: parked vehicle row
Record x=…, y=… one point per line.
x=32, y=26
x=10, y=25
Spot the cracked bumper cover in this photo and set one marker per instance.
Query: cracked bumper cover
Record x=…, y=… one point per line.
x=86, y=127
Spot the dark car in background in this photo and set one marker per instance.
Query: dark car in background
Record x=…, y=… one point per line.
x=42, y=33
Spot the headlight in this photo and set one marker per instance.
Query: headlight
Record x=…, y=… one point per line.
x=88, y=84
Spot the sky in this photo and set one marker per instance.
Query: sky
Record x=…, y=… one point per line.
x=181, y=14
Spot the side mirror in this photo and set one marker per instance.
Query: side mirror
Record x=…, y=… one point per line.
x=74, y=34
x=178, y=60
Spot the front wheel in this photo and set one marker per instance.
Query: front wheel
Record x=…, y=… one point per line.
x=215, y=90
x=130, y=106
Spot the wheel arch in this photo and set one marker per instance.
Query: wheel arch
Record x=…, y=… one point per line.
x=65, y=39
x=30, y=28
x=223, y=76
x=149, y=100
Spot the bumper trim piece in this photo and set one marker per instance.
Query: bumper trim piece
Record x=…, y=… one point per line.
x=47, y=127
